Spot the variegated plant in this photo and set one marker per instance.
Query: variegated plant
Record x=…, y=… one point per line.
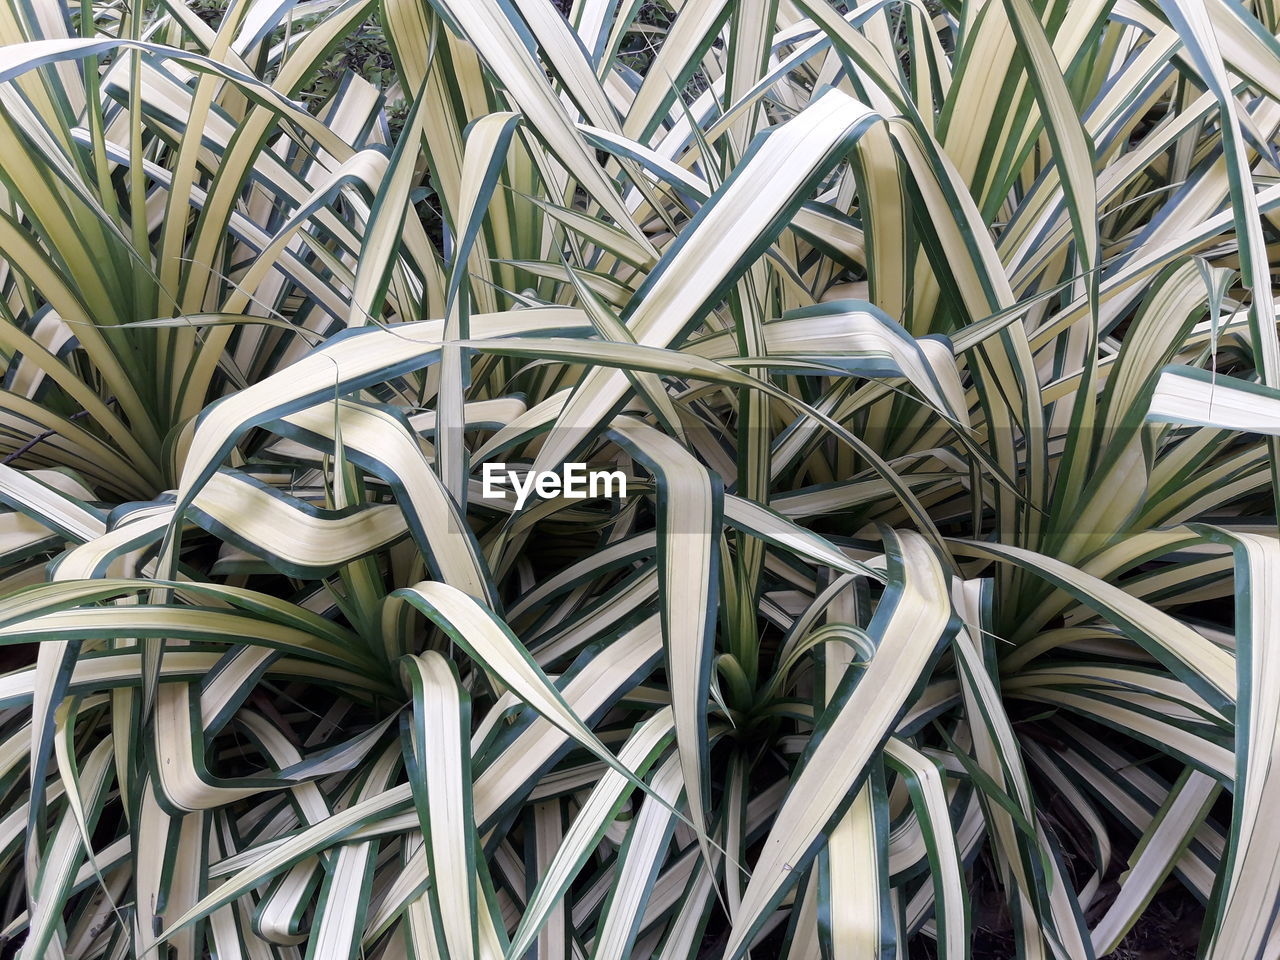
x=939, y=347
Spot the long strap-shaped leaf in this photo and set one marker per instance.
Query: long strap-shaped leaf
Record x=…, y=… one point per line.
x=1205, y=667
x=1245, y=926
x=65, y=852
x=729, y=232
x=1161, y=846
x=344, y=897
x=490, y=642
x=1192, y=21
x=512, y=773
x=639, y=860
x=486, y=151
x=913, y=617
x=854, y=907
x=1045, y=913
x=664, y=361
x=600, y=807
x=344, y=364
x=439, y=734
x=378, y=440
x=1189, y=395
x=690, y=504
x=502, y=45
x=924, y=780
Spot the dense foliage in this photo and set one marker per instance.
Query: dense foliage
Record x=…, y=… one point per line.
x=937, y=344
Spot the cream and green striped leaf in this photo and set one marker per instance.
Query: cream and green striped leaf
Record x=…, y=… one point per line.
x=993, y=276
x=909, y=627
